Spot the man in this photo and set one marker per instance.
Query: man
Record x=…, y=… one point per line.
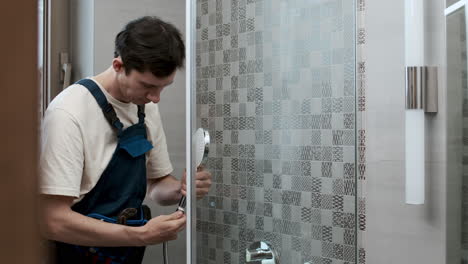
x=104, y=148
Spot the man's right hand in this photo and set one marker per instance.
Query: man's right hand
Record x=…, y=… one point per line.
x=163, y=228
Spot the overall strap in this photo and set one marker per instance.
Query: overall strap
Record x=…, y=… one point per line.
x=107, y=108
x=141, y=114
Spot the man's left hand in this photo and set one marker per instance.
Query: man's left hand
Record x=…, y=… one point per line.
x=202, y=182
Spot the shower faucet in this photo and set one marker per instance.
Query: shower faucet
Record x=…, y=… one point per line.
x=261, y=252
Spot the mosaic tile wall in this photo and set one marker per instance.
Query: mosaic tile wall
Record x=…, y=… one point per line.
x=276, y=89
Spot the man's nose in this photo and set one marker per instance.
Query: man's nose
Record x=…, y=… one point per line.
x=154, y=97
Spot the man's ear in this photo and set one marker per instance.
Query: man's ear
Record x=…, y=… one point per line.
x=117, y=64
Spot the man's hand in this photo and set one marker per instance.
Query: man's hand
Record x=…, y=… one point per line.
x=163, y=228
x=202, y=182
x=168, y=190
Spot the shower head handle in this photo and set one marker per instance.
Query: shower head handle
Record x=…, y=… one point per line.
x=201, y=139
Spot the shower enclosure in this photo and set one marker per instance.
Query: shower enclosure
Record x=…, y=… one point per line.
x=274, y=83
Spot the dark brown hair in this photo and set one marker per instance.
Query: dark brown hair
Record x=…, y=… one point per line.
x=150, y=44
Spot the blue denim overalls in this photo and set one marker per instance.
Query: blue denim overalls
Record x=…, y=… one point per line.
x=121, y=186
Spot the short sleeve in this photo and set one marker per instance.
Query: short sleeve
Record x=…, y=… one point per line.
x=159, y=163
x=62, y=158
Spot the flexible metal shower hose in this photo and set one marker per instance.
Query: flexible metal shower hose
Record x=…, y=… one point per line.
x=180, y=207
x=165, y=255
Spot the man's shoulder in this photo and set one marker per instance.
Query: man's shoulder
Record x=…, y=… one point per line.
x=76, y=100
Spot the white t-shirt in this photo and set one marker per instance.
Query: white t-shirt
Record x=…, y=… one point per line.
x=77, y=142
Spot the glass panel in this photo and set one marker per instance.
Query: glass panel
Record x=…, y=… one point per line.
x=276, y=90
x=457, y=154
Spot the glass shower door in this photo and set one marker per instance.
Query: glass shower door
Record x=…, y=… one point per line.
x=275, y=87
x=457, y=132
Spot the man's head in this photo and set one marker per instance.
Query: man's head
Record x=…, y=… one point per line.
x=148, y=51
x=150, y=44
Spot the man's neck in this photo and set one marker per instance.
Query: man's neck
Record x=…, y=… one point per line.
x=108, y=80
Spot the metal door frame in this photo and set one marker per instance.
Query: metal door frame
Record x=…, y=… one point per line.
x=190, y=115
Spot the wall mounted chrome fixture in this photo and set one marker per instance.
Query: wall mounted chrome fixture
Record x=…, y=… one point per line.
x=421, y=98
x=421, y=88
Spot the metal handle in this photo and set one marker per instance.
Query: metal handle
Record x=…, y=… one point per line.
x=65, y=72
x=261, y=252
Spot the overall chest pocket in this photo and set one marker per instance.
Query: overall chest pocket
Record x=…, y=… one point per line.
x=136, y=146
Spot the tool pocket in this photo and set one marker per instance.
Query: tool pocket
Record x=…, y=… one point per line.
x=125, y=217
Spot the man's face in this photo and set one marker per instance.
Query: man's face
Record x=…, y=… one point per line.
x=142, y=88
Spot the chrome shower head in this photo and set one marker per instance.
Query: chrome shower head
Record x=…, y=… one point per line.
x=202, y=142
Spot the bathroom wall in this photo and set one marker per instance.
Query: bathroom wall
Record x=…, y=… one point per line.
x=95, y=55
x=276, y=89
x=82, y=38
x=396, y=232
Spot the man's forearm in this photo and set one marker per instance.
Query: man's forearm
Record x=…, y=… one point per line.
x=165, y=190
x=86, y=231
